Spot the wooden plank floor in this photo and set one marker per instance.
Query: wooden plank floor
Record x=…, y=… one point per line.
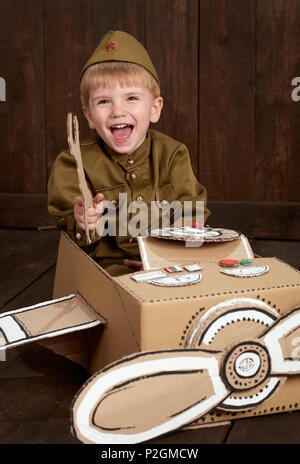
x=37, y=386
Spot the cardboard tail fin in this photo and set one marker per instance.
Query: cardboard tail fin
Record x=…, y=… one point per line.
x=46, y=320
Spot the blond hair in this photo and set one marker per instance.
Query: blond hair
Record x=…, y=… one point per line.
x=116, y=72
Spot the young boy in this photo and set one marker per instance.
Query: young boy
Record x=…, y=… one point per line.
x=120, y=95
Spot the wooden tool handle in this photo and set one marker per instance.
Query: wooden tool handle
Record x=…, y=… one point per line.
x=74, y=145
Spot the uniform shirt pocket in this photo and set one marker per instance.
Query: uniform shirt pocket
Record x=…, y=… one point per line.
x=112, y=195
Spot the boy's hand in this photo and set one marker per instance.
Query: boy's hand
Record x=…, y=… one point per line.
x=137, y=265
x=93, y=213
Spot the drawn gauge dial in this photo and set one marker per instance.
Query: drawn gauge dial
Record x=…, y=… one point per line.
x=152, y=393
x=246, y=367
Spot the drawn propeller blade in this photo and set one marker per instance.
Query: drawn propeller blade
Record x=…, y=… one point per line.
x=283, y=343
x=147, y=395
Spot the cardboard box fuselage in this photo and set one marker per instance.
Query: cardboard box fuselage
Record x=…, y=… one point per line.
x=140, y=316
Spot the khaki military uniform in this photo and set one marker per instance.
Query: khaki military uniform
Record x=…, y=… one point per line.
x=159, y=170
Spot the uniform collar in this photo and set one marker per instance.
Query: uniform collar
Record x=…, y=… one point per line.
x=135, y=158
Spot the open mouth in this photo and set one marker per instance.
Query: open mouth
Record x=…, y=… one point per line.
x=121, y=132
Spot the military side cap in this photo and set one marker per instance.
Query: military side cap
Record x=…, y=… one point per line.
x=121, y=46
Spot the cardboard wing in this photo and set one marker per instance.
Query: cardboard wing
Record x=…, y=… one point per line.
x=45, y=320
x=151, y=393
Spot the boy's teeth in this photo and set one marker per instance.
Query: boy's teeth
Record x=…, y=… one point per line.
x=121, y=132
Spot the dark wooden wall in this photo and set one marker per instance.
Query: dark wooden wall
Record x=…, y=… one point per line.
x=226, y=68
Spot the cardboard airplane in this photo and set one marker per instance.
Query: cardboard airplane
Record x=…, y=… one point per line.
x=184, y=341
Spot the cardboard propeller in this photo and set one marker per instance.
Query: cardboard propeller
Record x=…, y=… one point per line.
x=151, y=393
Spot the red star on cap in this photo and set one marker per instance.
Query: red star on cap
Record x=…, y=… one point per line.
x=111, y=45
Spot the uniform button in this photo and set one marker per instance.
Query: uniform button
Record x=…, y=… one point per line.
x=140, y=198
x=164, y=203
x=133, y=175
x=130, y=161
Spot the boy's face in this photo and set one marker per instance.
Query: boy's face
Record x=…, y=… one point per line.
x=121, y=115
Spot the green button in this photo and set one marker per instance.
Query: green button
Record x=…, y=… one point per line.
x=245, y=262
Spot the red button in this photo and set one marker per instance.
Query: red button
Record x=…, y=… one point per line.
x=228, y=262
x=195, y=225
